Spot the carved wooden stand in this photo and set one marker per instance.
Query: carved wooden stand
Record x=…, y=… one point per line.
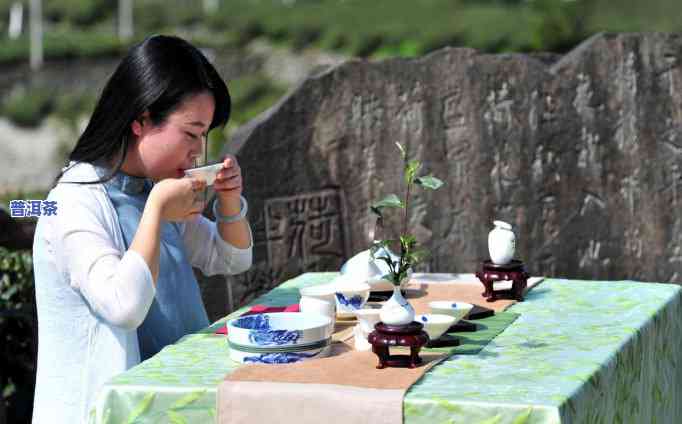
x=514, y=271
x=385, y=336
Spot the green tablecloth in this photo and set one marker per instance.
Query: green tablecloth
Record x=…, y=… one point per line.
x=581, y=351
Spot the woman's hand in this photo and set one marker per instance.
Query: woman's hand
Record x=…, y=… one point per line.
x=178, y=199
x=228, y=185
x=228, y=188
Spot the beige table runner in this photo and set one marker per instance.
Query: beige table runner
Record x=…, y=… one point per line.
x=344, y=388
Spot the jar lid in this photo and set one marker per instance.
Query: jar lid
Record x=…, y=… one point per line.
x=502, y=224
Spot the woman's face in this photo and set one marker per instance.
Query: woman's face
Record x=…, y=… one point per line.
x=165, y=150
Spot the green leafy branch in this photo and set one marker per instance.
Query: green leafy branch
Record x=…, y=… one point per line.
x=410, y=253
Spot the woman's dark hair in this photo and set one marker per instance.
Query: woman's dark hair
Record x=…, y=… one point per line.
x=156, y=75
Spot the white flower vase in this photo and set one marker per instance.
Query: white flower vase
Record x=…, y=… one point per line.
x=501, y=243
x=397, y=310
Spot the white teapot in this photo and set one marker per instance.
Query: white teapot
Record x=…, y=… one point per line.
x=362, y=267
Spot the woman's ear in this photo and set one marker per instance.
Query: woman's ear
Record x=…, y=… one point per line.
x=137, y=126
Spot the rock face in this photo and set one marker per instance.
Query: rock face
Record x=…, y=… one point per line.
x=583, y=155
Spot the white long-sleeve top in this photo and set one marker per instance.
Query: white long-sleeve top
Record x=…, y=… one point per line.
x=92, y=294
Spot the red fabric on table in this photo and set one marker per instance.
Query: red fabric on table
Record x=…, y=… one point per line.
x=261, y=309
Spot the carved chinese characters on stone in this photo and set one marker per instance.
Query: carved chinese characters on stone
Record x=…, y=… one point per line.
x=308, y=228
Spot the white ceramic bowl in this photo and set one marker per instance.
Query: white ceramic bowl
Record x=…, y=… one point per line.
x=350, y=297
x=453, y=308
x=381, y=284
x=435, y=325
x=207, y=173
x=320, y=291
x=273, y=331
x=362, y=267
x=314, y=305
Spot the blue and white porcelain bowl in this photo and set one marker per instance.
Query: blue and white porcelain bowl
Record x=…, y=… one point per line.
x=350, y=296
x=279, y=330
x=453, y=308
x=247, y=356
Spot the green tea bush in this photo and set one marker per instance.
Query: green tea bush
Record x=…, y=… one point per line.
x=78, y=12
x=408, y=27
x=155, y=16
x=18, y=336
x=355, y=27
x=27, y=108
x=70, y=107
x=16, y=279
x=64, y=43
x=250, y=95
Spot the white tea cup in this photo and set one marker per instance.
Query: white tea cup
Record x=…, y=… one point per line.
x=321, y=291
x=318, y=306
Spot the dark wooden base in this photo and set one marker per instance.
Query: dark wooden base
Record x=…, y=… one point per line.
x=446, y=340
x=385, y=336
x=514, y=271
x=479, y=312
x=462, y=327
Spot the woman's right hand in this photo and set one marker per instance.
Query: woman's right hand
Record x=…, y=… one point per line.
x=177, y=199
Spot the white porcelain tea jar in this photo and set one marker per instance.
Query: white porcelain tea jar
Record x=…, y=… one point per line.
x=397, y=310
x=501, y=243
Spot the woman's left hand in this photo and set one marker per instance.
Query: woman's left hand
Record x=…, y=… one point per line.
x=228, y=183
x=228, y=188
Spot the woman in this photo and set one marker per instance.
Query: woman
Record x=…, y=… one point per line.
x=113, y=267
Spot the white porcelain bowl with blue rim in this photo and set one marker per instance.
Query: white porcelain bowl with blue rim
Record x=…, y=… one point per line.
x=350, y=296
x=274, y=331
x=435, y=325
x=459, y=310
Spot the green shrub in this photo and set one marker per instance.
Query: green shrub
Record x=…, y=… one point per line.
x=78, y=12
x=21, y=194
x=216, y=140
x=152, y=16
x=70, y=107
x=17, y=336
x=28, y=108
x=357, y=27
x=251, y=95
x=66, y=44
x=16, y=279
x=63, y=43
x=13, y=50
